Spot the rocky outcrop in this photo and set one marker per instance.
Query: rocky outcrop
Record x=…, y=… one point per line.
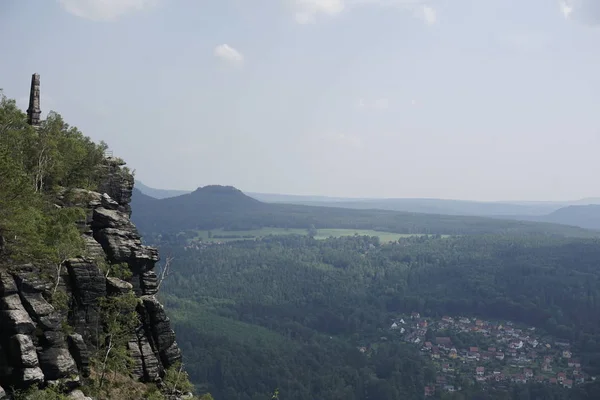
x=78, y=395
x=35, y=347
x=81, y=355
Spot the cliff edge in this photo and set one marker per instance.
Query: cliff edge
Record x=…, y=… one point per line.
x=63, y=330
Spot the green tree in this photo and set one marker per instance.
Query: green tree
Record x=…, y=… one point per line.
x=119, y=318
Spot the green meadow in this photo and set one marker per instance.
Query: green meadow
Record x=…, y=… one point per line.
x=222, y=235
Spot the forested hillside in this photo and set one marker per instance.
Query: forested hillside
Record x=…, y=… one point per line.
x=214, y=207
x=290, y=312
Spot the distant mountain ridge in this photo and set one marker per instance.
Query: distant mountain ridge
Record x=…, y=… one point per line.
x=225, y=207
x=585, y=216
x=539, y=211
x=158, y=193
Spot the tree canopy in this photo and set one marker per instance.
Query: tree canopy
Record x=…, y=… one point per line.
x=34, y=164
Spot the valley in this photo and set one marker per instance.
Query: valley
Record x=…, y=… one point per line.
x=306, y=297
x=220, y=235
x=315, y=317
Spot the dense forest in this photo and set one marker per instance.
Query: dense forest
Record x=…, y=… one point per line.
x=35, y=165
x=214, y=207
x=288, y=312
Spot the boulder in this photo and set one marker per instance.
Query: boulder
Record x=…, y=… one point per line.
x=80, y=353
x=75, y=197
x=57, y=363
x=118, y=244
x=116, y=286
x=51, y=322
x=93, y=248
x=106, y=218
x=149, y=283
x=171, y=355
x=53, y=339
x=30, y=279
x=2, y=393
x=36, y=305
x=137, y=368
x=7, y=284
x=147, y=255
x=158, y=324
x=89, y=284
x=30, y=376
x=117, y=184
x=152, y=368
x=22, y=352
x=13, y=315
x=78, y=395
x=107, y=202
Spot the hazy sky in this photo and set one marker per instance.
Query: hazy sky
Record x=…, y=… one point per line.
x=469, y=99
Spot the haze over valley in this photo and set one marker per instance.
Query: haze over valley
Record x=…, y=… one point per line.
x=299, y=200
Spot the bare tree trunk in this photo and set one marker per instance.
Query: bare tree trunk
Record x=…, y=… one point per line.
x=177, y=380
x=165, y=271
x=58, y=269
x=108, y=349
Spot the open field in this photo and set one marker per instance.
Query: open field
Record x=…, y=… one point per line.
x=222, y=235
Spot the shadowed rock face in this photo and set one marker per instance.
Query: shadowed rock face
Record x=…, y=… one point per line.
x=34, y=112
x=33, y=345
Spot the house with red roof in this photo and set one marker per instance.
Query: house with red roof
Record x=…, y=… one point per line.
x=568, y=383
x=429, y=391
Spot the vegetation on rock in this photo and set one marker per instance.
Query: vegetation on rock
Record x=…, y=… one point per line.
x=49, y=175
x=34, y=165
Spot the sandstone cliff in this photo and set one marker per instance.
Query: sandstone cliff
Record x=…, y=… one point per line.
x=42, y=344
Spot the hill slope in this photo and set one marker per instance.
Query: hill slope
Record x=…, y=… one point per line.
x=587, y=216
x=214, y=207
x=526, y=210
x=158, y=193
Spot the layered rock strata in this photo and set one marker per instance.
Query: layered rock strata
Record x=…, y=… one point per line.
x=40, y=344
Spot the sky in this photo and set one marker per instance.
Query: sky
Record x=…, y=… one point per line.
x=461, y=99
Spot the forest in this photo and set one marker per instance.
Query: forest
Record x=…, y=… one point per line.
x=288, y=312
x=216, y=207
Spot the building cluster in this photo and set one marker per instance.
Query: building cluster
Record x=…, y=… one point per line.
x=512, y=354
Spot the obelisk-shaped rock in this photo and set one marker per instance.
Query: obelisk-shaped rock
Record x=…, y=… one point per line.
x=34, y=112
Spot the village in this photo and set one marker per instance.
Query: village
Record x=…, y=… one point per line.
x=471, y=350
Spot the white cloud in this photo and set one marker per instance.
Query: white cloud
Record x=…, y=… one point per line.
x=586, y=11
x=104, y=10
x=566, y=9
x=227, y=53
x=307, y=11
x=429, y=15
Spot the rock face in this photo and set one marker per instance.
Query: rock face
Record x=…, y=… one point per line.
x=34, y=112
x=34, y=345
